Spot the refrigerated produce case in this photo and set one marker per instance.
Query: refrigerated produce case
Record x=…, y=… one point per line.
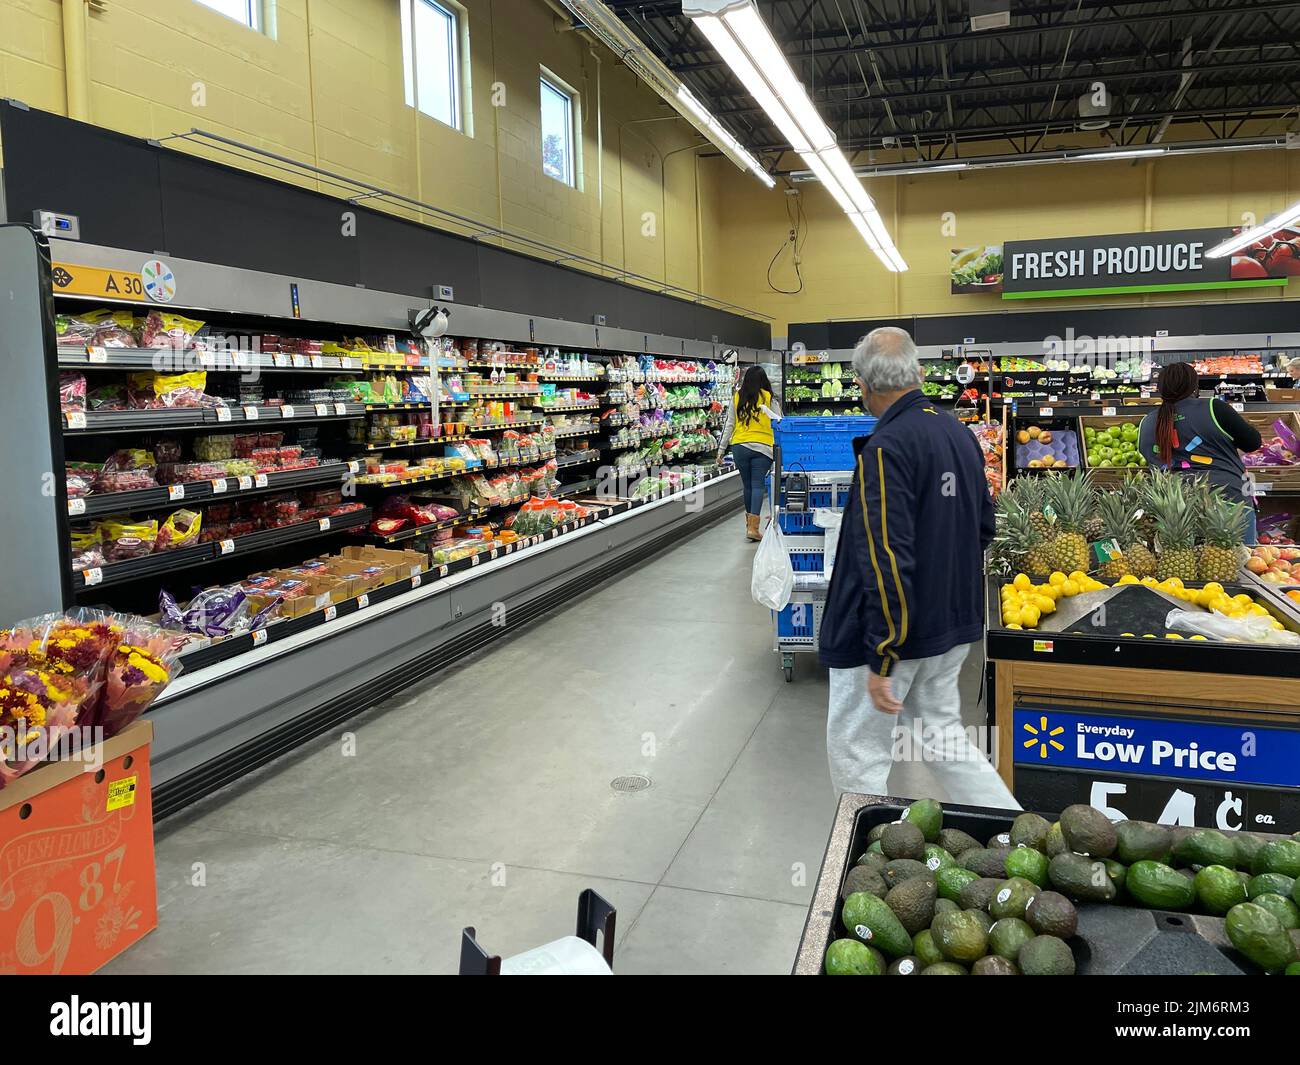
x=401, y=600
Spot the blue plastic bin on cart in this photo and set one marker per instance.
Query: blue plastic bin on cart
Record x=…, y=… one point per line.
x=813, y=443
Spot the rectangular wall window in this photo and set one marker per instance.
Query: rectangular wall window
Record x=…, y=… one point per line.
x=558, y=125
x=431, y=61
x=249, y=12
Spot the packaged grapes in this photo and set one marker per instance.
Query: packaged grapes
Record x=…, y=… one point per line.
x=181, y=529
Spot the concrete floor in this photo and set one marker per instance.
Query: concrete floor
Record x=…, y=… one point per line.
x=483, y=798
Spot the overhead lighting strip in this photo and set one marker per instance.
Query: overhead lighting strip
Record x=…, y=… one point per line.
x=1248, y=237
x=632, y=51
x=742, y=39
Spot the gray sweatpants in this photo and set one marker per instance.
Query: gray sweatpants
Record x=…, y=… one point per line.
x=863, y=743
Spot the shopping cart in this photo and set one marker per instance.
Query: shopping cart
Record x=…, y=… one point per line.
x=812, y=471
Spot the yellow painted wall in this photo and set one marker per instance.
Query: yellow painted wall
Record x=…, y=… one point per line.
x=325, y=86
x=842, y=279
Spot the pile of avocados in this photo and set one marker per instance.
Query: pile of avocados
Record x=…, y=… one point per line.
x=924, y=900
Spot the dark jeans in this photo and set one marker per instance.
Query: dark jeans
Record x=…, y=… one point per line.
x=753, y=466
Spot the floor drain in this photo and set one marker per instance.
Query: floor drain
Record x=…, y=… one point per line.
x=635, y=782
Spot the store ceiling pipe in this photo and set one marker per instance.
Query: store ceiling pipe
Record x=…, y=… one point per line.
x=75, y=62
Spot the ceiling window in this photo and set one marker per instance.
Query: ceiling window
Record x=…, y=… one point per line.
x=431, y=61
x=249, y=12
x=559, y=105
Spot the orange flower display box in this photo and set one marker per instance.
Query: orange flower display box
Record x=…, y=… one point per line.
x=77, y=878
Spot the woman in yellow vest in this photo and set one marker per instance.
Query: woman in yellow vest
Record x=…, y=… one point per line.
x=749, y=431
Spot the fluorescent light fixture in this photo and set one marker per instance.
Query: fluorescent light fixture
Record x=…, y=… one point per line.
x=1126, y=153
x=633, y=53
x=1265, y=229
x=742, y=39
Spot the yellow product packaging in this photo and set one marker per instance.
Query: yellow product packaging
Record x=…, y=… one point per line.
x=181, y=529
x=161, y=384
x=111, y=529
x=85, y=539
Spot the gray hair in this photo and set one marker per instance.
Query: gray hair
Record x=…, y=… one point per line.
x=885, y=361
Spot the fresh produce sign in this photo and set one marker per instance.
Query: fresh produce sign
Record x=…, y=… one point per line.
x=1164, y=747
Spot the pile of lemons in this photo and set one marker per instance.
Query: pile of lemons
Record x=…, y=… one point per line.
x=1211, y=597
x=1024, y=602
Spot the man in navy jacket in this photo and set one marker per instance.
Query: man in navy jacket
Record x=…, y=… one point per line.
x=906, y=598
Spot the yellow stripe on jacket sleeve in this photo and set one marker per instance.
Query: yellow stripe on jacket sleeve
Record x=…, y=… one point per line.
x=880, y=578
x=893, y=562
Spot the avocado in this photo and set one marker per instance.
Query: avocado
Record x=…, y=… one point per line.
x=877, y=831
x=1141, y=841
x=1286, y=911
x=924, y=947
x=1206, y=846
x=1055, y=841
x=874, y=848
x=942, y=905
x=960, y=937
x=986, y=861
x=936, y=856
x=978, y=893
x=904, y=966
x=1278, y=856
x=1028, y=864
x=1156, y=885
x=1292, y=970
x=944, y=968
x=860, y=878
x=982, y=916
x=902, y=841
x=999, y=841
x=927, y=815
x=913, y=903
x=901, y=869
x=1079, y=877
x=1117, y=871
x=1013, y=897
x=848, y=957
x=872, y=860
x=868, y=919
x=951, y=879
x=1088, y=831
x=1008, y=935
x=1046, y=956
x=1218, y=889
x=1030, y=830
x=955, y=841
x=1052, y=914
x=1270, y=883
x=1247, y=845
x=1259, y=935
x=992, y=965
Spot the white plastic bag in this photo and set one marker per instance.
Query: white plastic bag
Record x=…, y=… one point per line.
x=829, y=520
x=773, y=577
x=1254, y=628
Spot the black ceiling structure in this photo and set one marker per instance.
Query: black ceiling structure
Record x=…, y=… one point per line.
x=912, y=76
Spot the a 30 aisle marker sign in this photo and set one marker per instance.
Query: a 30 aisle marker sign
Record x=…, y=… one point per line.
x=154, y=282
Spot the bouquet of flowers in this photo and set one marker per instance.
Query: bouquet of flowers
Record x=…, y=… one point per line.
x=138, y=668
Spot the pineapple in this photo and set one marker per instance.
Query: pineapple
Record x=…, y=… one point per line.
x=1137, y=547
x=1115, y=525
x=1176, y=532
x=1071, y=499
x=1222, y=527
x=1017, y=541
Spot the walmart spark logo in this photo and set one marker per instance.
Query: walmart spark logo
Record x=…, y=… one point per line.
x=1042, y=737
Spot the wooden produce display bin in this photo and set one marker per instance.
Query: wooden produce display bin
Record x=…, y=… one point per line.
x=1104, y=475
x=1270, y=480
x=77, y=878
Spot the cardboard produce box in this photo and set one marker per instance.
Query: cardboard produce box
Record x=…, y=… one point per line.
x=410, y=562
x=77, y=878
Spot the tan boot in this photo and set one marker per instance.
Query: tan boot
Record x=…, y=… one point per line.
x=751, y=527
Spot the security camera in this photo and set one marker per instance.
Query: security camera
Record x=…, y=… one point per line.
x=430, y=323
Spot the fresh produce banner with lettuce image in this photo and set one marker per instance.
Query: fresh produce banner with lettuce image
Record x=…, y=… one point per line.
x=977, y=269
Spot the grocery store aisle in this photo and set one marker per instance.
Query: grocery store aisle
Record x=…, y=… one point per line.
x=484, y=797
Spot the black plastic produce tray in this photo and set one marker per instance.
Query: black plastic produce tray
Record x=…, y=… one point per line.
x=1112, y=940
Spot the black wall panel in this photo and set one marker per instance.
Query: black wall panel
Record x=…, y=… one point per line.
x=131, y=194
x=847, y=334
x=813, y=335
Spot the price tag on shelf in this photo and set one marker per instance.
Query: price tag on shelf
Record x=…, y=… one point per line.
x=492, y=553
x=322, y=410
x=348, y=362
x=260, y=480
x=331, y=612
x=250, y=414
x=300, y=361
x=227, y=546
x=1223, y=377
x=175, y=493
x=282, y=362
x=92, y=576
x=1044, y=412
x=324, y=524
x=245, y=483
x=76, y=419
x=442, y=571
x=76, y=506
x=473, y=560
x=288, y=412
x=1096, y=396
x=1239, y=406
x=223, y=413
x=1053, y=399
x=1108, y=412
x=259, y=637
x=363, y=601
x=316, y=361
x=96, y=354
x=340, y=409
x=354, y=466
x=416, y=580
x=218, y=485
